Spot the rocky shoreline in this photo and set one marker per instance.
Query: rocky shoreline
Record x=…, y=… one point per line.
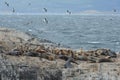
x=21, y=54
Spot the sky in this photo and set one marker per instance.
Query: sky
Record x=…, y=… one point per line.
x=60, y=6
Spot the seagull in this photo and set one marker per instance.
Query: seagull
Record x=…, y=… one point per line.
x=13, y=10
x=114, y=10
x=45, y=20
x=29, y=4
x=68, y=12
x=45, y=9
x=7, y=4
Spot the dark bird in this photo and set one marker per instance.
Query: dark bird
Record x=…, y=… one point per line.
x=13, y=10
x=7, y=4
x=45, y=20
x=45, y=9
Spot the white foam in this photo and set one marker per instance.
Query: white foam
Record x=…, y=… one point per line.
x=94, y=42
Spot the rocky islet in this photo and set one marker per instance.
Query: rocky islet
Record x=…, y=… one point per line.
x=15, y=44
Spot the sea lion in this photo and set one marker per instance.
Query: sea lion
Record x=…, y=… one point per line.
x=2, y=49
x=50, y=57
x=66, y=52
x=64, y=57
x=112, y=54
x=14, y=53
x=92, y=59
x=104, y=60
x=39, y=49
x=33, y=54
x=106, y=52
x=68, y=63
x=56, y=51
x=82, y=58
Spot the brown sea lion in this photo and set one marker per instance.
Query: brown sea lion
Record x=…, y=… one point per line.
x=56, y=51
x=50, y=57
x=67, y=52
x=64, y=52
x=40, y=50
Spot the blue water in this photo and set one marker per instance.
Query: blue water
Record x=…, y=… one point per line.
x=76, y=31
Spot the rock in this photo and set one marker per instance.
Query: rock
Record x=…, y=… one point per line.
x=42, y=63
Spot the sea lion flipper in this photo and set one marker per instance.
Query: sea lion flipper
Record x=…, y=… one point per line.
x=68, y=65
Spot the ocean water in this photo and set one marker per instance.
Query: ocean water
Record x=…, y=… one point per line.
x=76, y=31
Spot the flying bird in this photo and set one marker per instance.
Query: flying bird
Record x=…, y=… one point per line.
x=13, y=10
x=114, y=10
x=45, y=9
x=7, y=4
x=45, y=20
x=29, y=4
x=68, y=12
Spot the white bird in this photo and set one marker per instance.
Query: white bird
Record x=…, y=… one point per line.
x=29, y=30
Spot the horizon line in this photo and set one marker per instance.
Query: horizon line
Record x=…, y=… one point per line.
x=59, y=14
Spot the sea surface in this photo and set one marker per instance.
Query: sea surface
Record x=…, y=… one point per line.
x=76, y=31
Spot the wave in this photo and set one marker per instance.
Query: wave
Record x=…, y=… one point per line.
x=94, y=42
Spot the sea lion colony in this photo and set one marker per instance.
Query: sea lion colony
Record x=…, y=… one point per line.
x=53, y=53
x=16, y=43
